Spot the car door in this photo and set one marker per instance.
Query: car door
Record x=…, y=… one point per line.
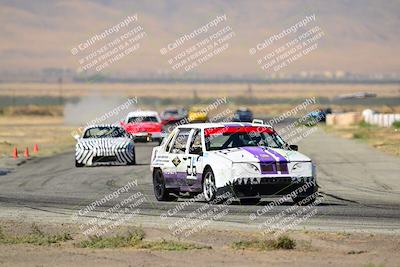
x=194, y=160
x=178, y=157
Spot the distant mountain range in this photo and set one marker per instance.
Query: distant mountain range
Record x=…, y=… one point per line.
x=361, y=36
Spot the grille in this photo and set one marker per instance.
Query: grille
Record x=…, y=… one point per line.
x=268, y=168
x=274, y=168
x=276, y=180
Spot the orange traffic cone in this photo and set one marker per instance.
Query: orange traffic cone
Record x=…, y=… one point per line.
x=15, y=153
x=36, y=148
x=26, y=153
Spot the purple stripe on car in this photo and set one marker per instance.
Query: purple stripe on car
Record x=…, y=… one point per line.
x=267, y=156
x=259, y=153
x=276, y=154
x=282, y=161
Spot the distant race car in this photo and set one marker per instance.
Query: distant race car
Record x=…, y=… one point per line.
x=318, y=115
x=172, y=115
x=248, y=160
x=243, y=115
x=104, y=145
x=196, y=114
x=144, y=126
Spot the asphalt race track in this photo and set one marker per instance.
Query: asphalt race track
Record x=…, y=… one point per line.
x=360, y=186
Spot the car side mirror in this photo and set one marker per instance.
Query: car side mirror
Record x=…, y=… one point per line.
x=294, y=147
x=76, y=136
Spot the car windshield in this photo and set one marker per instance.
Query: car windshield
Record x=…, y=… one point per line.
x=142, y=119
x=104, y=132
x=243, y=111
x=171, y=112
x=231, y=137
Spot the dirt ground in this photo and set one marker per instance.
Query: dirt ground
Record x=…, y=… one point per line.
x=384, y=139
x=49, y=132
x=312, y=249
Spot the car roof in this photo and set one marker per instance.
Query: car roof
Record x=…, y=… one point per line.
x=222, y=124
x=143, y=113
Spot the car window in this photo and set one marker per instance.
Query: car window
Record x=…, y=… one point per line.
x=195, y=144
x=229, y=137
x=142, y=119
x=168, y=146
x=104, y=132
x=180, y=142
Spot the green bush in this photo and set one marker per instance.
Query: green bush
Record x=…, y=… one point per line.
x=134, y=239
x=360, y=135
x=364, y=124
x=35, y=237
x=396, y=124
x=283, y=242
x=131, y=240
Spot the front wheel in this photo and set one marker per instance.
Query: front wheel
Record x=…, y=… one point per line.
x=133, y=161
x=78, y=165
x=160, y=191
x=209, y=188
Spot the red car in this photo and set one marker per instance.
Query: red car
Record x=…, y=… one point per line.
x=144, y=126
x=173, y=115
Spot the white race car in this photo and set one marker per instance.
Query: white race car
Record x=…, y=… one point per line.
x=248, y=160
x=104, y=145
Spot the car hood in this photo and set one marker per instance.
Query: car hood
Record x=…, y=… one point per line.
x=261, y=154
x=104, y=143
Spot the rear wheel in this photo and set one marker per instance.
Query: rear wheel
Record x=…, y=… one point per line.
x=160, y=191
x=209, y=188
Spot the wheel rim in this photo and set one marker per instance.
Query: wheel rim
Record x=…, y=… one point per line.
x=158, y=184
x=208, y=186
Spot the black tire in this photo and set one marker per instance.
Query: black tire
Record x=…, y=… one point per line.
x=208, y=185
x=250, y=201
x=78, y=165
x=305, y=201
x=133, y=162
x=160, y=191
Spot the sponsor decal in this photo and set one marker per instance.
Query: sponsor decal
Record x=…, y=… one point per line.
x=176, y=161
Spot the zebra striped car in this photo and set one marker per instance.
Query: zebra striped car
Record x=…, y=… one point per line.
x=104, y=145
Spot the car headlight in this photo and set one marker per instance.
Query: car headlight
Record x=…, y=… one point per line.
x=244, y=169
x=303, y=169
x=298, y=166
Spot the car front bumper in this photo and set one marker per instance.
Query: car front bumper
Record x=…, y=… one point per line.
x=148, y=137
x=270, y=187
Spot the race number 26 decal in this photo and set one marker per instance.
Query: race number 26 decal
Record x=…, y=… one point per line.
x=191, y=167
